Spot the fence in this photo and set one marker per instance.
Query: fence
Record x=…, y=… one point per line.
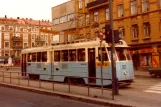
x=68, y=87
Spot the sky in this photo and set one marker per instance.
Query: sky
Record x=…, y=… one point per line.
x=35, y=9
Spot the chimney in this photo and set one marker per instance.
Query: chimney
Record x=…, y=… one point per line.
x=18, y=17
x=26, y=18
x=5, y=16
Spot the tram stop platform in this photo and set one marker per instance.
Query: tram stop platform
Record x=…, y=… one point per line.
x=126, y=98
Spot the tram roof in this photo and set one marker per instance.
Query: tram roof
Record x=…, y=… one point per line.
x=87, y=44
x=35, y=49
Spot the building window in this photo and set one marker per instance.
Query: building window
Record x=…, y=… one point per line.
x=96, y=34
x=145, y=5
x=56, y=21
x=17, y=35
x=33, y=36
x=6, y=44
x=80, y=4
x=87, y=19
x=95, y=16
x=71, y=17
x=86, y=1
x=25, y=38
x=120, y=10
x=6, y=53
x=6, y=36
x=107, y=14
x=11, y=28
x=63, y=19
x=33, y=44
x=80, y=21
x=133, y=7
x=17, y=28
x=25, y=45
x=146, y=29
x=6, y=27
x=121, y=32
x=135, y=31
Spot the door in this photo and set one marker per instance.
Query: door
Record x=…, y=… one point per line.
x=23, y=65
x=91, y=65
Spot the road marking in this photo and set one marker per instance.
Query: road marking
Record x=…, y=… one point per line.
x=154, y=89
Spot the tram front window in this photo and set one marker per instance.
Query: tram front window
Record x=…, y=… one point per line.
x=123, y=54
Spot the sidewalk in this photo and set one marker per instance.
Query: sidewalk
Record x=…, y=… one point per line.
x=142, y=74
x=126, y=98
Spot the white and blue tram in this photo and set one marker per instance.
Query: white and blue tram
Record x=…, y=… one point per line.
x=82, y=59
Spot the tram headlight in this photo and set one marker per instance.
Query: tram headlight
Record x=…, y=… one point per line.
x=125, y=72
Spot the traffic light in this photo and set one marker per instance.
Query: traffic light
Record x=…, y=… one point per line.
x=116, y=36
x=108, y=35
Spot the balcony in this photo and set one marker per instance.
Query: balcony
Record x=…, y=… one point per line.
x=16, y=39
x=97, y=3
x=39, y=39
x=17, y=47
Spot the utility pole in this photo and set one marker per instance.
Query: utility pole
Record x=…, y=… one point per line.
x=114, y=76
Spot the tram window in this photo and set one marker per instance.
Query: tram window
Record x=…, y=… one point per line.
x=104, y=54
x=33, y=57
x=127, y=54
x=29, y=57
x=72, y=55
x=44, y=56
x=38, y=56
x=81, y=54
x=110, y=53
x=64, y=55
x=57, y=56
x=121, y=54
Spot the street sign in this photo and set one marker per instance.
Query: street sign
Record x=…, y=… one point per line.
x=101, y=34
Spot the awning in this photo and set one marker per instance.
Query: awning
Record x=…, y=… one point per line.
x=3, y=58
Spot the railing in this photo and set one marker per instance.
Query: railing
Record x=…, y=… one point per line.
x=96, y=3
x=81, y=89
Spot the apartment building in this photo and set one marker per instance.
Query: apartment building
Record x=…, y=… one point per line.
x=16, y=34
x=63, y=20
x=139, y=19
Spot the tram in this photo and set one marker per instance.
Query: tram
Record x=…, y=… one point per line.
x=78, y=59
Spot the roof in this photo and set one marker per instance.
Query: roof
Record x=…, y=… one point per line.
x=26, y=21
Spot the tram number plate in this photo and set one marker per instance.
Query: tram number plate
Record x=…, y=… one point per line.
x=123, y=66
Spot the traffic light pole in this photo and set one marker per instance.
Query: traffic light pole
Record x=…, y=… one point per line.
x=114, y=76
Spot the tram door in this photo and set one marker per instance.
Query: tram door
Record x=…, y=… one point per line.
x=23, y=65
x=91, y=65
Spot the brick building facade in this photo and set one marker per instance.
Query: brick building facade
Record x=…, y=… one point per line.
x=16, y=34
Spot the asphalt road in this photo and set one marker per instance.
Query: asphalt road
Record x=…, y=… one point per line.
x=18, y=98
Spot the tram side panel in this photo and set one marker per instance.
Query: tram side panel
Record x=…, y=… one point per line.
x=70, y=69
x=106, y=73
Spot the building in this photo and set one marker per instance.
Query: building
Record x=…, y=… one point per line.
x=139, y=19
x=16, y=34
x=63, y=20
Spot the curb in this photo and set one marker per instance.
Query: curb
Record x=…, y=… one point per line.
x=143, y=76
x=64, y=95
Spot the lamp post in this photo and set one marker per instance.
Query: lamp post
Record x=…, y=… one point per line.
x=114, y=76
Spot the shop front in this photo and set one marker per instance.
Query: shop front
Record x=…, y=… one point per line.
x=3, y=61
x=146, y=56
